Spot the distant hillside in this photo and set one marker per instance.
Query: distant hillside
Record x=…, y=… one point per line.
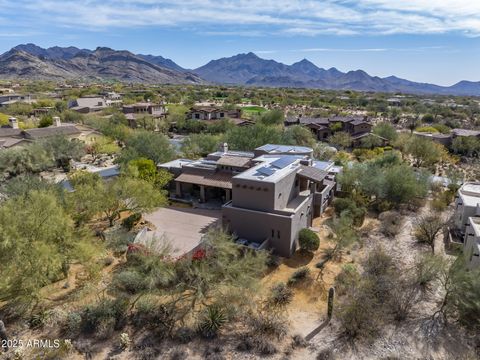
x=29, y=61
x=163, y=62
x=249, y=69
x=32, y=62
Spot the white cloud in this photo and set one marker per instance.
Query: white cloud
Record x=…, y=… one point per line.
x=260, y=17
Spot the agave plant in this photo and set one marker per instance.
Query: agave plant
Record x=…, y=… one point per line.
x=212, y=320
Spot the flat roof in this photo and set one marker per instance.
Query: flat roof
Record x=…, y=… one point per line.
x=475, y=222
x=470, y=194
x=274, y=148
x=266, y=171
x=177, y=164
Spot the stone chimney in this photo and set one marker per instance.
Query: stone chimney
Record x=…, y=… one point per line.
x=13, y=122
x=224, y=147
x=57, y=121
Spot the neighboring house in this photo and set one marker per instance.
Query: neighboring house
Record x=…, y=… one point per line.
x=467, y=221
x=465, y=133
x=41, y=111
x=324, y=127
x=212, y=113
x=268, y=196
x=9, y=99
x=443, y=139
x=136, y=111
x=14, y=136
x=446, y=139
x=105, y=173
x=87, y=105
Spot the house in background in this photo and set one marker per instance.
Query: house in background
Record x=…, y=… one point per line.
x=9, y=99
x=12, y=135
x=268, y=195
x=134, y=112
x=212, y=113
x=86, y=105
x=322, y=128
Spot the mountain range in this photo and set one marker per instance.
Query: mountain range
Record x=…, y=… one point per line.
x=33, y=62
x=30, y=61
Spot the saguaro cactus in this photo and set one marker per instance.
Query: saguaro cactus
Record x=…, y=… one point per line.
x=331, y=295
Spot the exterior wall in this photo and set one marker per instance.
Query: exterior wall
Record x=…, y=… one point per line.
x=302, y=219
x=286, y=189
x=462, y=213
x=251, y=194
x=362, y=128
x=470, y=247
x=258, y=226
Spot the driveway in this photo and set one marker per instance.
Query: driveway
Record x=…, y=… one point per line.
x=180, y=228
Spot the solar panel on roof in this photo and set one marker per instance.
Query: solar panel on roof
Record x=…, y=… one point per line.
x=283, y=162
x=269, y=147
x=266, y=171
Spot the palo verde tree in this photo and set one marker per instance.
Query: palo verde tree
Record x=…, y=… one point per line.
x=37, y=242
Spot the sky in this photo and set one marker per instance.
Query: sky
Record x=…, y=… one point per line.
x=436, y=41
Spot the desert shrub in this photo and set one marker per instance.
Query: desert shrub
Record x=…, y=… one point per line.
x=179, y=354
x=273, y=261
x=104, y=317
x=265, y=346
x=299, y=341
x=184, y=334
x=392, y=223
x=39, y=319
x=299, y=276
x=130, y=221
x=326, y=354
x=213, y=353
x=212, y=321
x=368, y=302
x=308, y=240
x=247, y=343
x=281, y=295
x=426, y=270
x=129, y=281
x=442, y=200
x=268, y=324
x=73, y=323
x=148, y=315
x=360, y=312
x=350, y=206
x=346, y=278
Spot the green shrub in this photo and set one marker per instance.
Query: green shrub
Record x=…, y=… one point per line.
x=130, y=221
x=129, y=281
x=308, y=240
x=271, y=325
x=104, y=317
x=346, y=278
x=349, y=205
x=280, y=295
x=299, y=276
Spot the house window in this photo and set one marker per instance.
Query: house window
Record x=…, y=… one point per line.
x=222, y=115
x=273, y=233
x=279, y=195
x=197, y=116
x=278, y=234
x=296, y=182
